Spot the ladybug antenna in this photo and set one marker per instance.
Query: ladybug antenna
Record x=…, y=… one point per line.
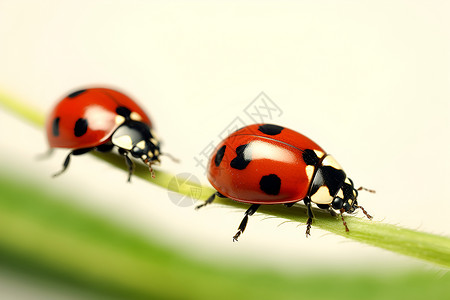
x=45, y=155
x=361, y=188
x=174, y=159
x=365, y=212
x=343, y=220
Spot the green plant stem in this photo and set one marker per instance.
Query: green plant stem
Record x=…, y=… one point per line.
x=43, y=235
x=425, y=246
x=22, y=109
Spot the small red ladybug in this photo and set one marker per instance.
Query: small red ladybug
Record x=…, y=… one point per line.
x=270, y=164
x=99, y=119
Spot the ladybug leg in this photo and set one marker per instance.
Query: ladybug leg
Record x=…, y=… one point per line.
x=244, y=221
x=67, y=160
x=343, y=221
x=104, y=148
x=46, y=154
x=310, y=216
x=129, y=163
x=328, y=208
x=332, y=212
x=365, y=212
x=130, y=166
x=210, y=199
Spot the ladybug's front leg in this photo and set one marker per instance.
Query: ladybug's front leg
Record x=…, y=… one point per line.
x=46, y=154
x=67, y=160
x=128, y=161
x=343, y=220
x=328, y=208
x=210, y=200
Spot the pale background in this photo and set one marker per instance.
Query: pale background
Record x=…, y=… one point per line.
x=367, y=80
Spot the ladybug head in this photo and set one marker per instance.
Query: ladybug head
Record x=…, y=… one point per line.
x=137, y=138
x=147, y=151
x=346, y=199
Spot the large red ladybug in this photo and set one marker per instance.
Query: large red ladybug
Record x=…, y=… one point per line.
x=99, y=119
x=270, y=164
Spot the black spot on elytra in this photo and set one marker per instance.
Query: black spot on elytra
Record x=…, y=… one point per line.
x=270, y=129
x=240, y=162
x=81, y=126
x=219, y=155
x=123, y=111
x=74, y=94
x=330, y=177
x=270, y=184
x=310, y=157
x=55, y=126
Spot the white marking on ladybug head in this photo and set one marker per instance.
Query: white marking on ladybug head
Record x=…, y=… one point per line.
x=119, y=119
x=330, y=161
x=135, y=116
x=322, y=196
x=141, y=145
x=309, y=171
x=319, y=153
x=152, y=132
x=123, y=141
x=150, y=154
x=340, y=194
x=154, y=141
x=157, y=152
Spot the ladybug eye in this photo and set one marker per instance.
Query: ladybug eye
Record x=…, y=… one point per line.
x=141, y=145
x=337, y=203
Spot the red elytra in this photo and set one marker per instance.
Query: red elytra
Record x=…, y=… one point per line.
x=101, y=119
x=98, y=107
x=279, y=154
x=269, y=164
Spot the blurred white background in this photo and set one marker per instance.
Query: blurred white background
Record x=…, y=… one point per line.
x=367, y=80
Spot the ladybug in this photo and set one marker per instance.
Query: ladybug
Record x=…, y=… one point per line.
x=269, y=164
x=100, y=119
